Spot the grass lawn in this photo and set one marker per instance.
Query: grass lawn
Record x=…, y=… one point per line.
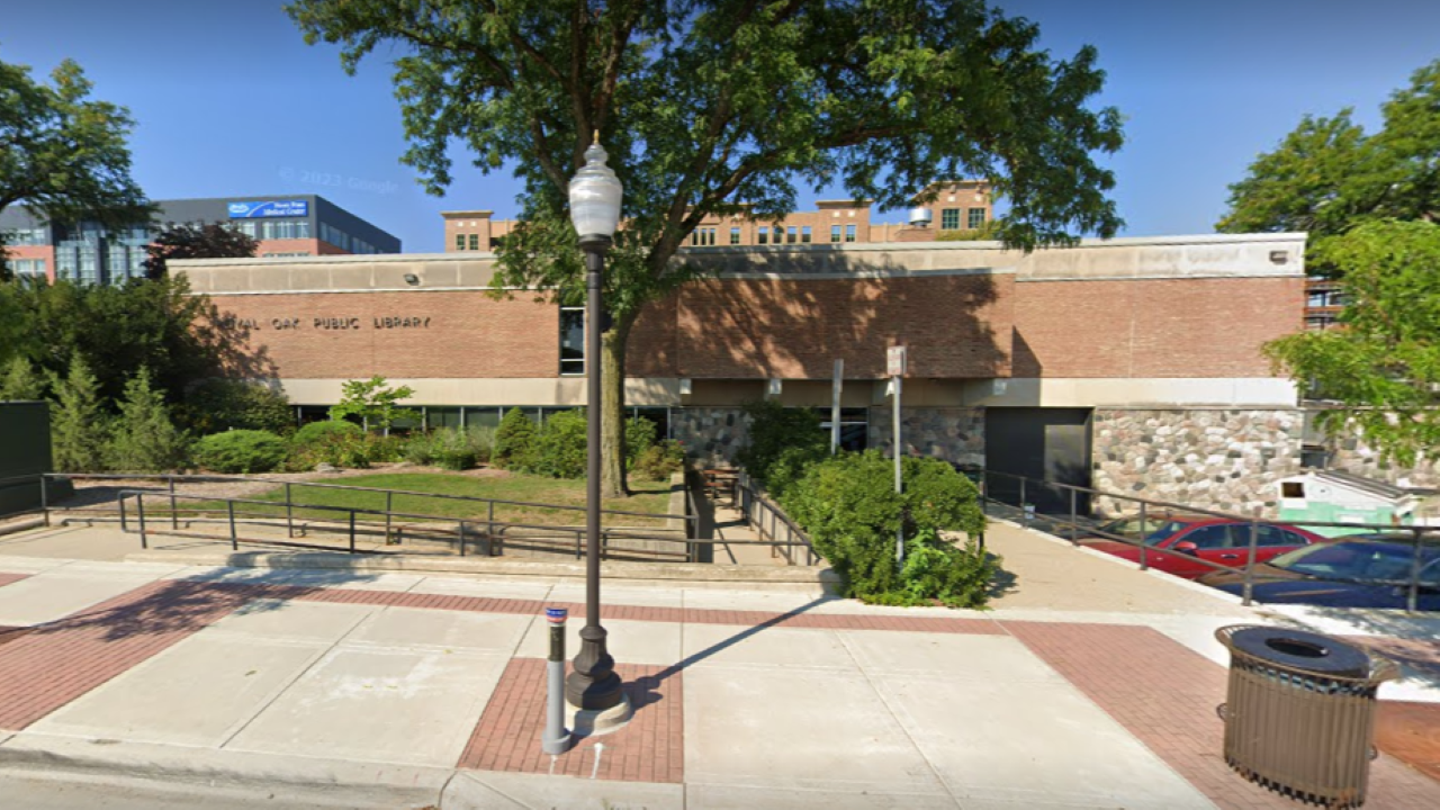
x=649, y=497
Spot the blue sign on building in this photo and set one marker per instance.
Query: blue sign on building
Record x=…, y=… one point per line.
x=269, y=208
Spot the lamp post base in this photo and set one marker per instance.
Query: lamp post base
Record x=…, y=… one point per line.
x=593, y=685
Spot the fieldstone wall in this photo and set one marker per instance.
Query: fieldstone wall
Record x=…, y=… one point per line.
x=1222, y=459
x=956, y=435
x=1348, y=453
x=711, y=436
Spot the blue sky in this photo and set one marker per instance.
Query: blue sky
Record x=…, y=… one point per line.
x=229, y=101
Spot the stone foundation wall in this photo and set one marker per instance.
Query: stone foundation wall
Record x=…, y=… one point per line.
x=954, y=434
x=1222, y=459
x=711, y=436
x=1349, y=453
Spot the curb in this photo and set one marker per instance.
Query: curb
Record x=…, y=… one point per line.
x=330, y=783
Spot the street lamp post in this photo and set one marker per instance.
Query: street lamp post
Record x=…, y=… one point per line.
x=595, y=210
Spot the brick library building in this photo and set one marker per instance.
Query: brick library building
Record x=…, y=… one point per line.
x=1131, y=365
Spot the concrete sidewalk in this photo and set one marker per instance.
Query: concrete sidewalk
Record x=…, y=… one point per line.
x=371, y=688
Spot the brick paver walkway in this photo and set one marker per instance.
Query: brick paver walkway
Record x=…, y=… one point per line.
x=648, y=749
x=6, y=578
x=1165, y=694
x=1411, y=732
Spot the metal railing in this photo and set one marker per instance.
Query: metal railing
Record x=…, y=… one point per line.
x=1074, y=520
x=758, y=508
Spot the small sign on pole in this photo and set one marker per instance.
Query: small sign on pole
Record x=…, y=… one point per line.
x=895, y=361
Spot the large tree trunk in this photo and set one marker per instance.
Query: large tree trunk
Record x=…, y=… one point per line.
x=612, y=408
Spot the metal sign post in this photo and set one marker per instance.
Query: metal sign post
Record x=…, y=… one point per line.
x=835, y=407
x=556, y=738
x=895, y=368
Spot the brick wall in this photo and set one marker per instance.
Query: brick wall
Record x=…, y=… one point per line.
x=1152, y=328
x=957, y=326
x=459, y=334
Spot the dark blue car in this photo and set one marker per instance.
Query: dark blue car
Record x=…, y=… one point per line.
x=1351, y=573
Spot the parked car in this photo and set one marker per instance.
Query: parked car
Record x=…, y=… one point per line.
x=1157, y=524
x=1349, y=572
x=1182, y=546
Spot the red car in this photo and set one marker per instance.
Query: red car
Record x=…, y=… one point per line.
x=1180, y=545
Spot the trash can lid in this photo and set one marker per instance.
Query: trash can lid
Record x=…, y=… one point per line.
x=1299, y=649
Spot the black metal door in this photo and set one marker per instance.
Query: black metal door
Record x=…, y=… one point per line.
x=1042, y=444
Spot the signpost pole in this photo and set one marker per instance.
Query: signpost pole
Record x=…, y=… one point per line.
x=835, y=407
x=895, y=367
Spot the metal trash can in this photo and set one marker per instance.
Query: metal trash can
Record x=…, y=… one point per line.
x=1300, y=712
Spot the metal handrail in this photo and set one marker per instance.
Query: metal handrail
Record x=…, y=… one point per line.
x=752, y=496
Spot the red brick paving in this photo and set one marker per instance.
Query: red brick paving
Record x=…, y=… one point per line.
x=1410, y=732
x=55, y=663
x=6, y=578
x=1165, y=694
x=648, y=749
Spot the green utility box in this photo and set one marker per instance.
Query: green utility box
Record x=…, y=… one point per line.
x=24, y=454
x=1325, y=496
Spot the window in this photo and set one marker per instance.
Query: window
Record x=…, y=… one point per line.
x=790, y=234
x=474, y=241
x=1208, y=537
x=734, y=236
x=1270, y=536
x=805, y=235
x=27, y=236
x=572, y=340
x=244, y=226
x=764, y=234
x=28, y=267
x=286, y=254
x=854, y=427
x=849, y=233
x=834, y=233
x=459, y=240
x=975, y=218
x=286, y=229
x=702, y=237
x=950, y=219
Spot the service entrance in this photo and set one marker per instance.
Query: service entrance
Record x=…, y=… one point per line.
x=1047, y=444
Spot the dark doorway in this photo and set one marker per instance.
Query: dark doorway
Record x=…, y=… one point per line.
x=1045, y=444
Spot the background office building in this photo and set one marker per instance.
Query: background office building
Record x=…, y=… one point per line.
x=959, y=208
x=286, y=226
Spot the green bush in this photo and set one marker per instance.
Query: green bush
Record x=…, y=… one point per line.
x=144, y=438
x=482, y=441
x=515, y=440
x=659, y=462
x=240, y=451
x=444, y=447
x=639, y=437
x=561, y=450
x=217, y=405
x=318, y=432
x=791, y=465
x=849, y=507
x=775, y=429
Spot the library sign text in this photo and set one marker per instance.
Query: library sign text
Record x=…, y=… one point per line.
x=333, y=324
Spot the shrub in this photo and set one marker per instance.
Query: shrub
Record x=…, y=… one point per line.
x=774, y=429
x=446, y=448
x=560, y=451
x=482, y=441
x=850, y=509
x=514, y=441
x=317, y=432
x=455, y=458
x=791, y=466
x=639, y=437
x=659, y=462
x=420, y=448
x=217, y=405
x=240, y=451
x=144, y=439
x=374, y=404
x=79, y=429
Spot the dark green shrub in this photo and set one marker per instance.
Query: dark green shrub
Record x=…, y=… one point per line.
x=217, y=405
x=514, y=447
x=444, y=447
x=659, y=462
x=482, y=441
x=791, y=465
x=455, y=458
x=317, y=432
x=639, y=437
x=849, y=507
x=240, y=451
x=420, y=448
x=774, y=429
x=561, y=450
x=144, y=438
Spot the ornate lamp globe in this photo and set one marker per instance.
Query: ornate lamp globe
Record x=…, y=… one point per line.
x=595, y=196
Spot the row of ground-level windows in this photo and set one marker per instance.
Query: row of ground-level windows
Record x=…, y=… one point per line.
x=854, y=422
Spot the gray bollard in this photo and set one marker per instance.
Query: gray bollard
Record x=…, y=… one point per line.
x=556, y=739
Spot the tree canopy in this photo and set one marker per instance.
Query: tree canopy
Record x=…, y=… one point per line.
x=211, y=240
x=65, y=155
x=727, y=107
x=1383, y=365
x=1328, y=175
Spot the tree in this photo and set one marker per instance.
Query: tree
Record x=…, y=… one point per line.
x=1384, y=364
x=211, y=240
x=20, y=381
x=373, y=403
x=79, y=429
x=708, y=106
x=144, y=439
x=216, y=405
x=65, y=155
x=1328, y=176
